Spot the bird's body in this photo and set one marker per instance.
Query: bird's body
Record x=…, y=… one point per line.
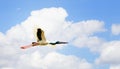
x=41, y=40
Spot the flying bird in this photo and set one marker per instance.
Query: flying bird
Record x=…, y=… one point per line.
x=41, y=40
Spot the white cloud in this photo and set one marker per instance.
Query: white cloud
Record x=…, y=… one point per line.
x=116, y=29
x=52, y=60
x=115, y=66
x=88, y=27
x=52, y=21
x=83, y=32
x=92, y=26
x=7, y=68
x=110, y=53
x=92, y=42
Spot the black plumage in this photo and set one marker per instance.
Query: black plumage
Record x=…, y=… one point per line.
x=39, y=33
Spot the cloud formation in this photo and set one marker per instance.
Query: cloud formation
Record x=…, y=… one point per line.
x=53, y=22
x=116, y=29
x=52, y=60
x=109, y=54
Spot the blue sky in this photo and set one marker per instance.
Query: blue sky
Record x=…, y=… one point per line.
x=15, y=12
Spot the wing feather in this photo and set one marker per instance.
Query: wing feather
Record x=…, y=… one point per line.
x=40, y=35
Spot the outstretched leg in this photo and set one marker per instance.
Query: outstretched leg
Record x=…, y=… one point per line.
x=27, y=46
